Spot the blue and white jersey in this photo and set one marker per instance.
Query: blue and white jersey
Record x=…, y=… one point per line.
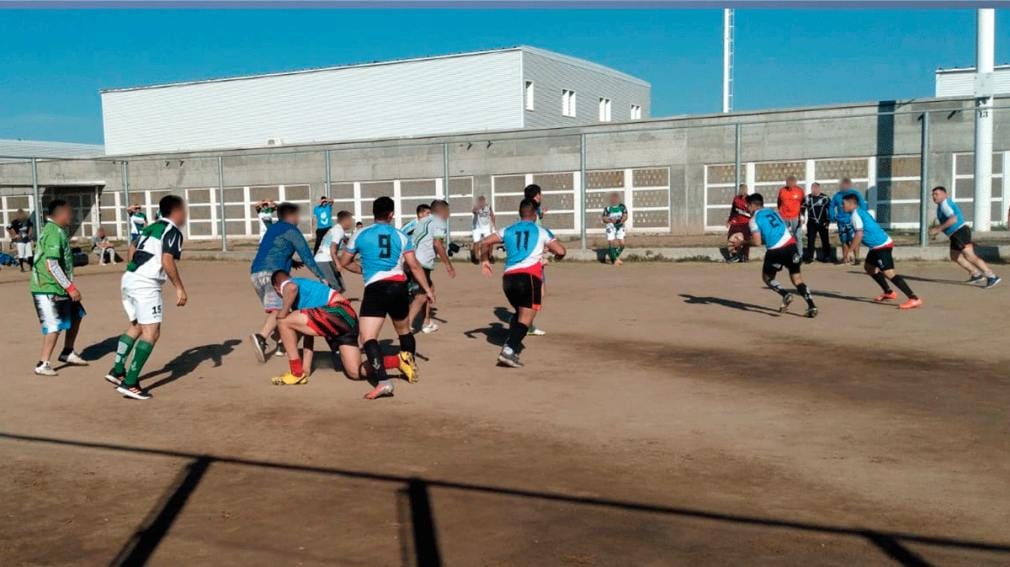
x=873, y=236
x=947, y=209
x=381, y=249
x=311, y=293
x=524, y=243
x=837, y=213
x=408, y=228
x=773, y=230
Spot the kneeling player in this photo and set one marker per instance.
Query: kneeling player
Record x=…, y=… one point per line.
x=767, y=227
x=879, y=261
x=312, y=309
x=524, y=244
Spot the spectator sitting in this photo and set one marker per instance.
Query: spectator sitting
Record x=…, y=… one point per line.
x=102, y=246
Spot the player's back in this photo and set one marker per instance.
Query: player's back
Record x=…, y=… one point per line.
x=772, y=228
x=874, y=236
x=947, y=209
x=381, y=248
x=312, y=294
x=524, y=244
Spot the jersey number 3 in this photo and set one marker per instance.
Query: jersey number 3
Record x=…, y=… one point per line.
x=385, y=248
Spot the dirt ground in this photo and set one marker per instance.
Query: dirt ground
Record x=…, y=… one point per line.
x=669, y=417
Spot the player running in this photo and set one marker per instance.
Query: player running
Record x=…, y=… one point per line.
x=21, y=231
x=536, y=194
x=57, y=299
x=769, y=228
x=962, y=249
x=614, y=216
x=328, y=249
x=525, y=244
x=483, y=225
x=879, y=260
x=843, y=220
x=383, y=251
x=429, y=240
x=154, y=262
x=311, y=309
x=738, y=225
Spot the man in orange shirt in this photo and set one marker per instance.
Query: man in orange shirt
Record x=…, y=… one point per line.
x=790, y=203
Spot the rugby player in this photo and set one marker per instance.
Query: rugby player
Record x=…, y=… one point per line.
x=429, y=241
x=614, y=216
x=534, y=193
x=423, y=210
x=842, y=219
x=483, y=225
x=879, y=260
x=138, y=220
x=738, y=225
x=962, y=249
x=769, y=228
x=328, y=252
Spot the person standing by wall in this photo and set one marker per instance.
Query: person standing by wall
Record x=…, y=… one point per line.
x=738, y=223
x=790, y=202
x=21, y=231
x=322, y=215
x=815, y=209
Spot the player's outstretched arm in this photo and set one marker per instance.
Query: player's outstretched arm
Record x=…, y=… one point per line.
x=419, y=277
x=347, y=263
x=172, y=271
x=485, y=246
x=304, y=252
x=557, y=249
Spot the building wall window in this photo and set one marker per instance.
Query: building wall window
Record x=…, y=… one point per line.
x=529, y=95
x=604, y=110
x=636, y=112
x=567, y=102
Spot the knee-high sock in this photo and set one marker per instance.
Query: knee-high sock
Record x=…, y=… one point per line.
x=123, y=349
x=612, y=253
x=881, y=281
x=777, y=287
x=620, y=250
x=900, y=283
x=142, y=351
x=805, y=292
x=374, y=355
x=517, y=332
x=408, y=343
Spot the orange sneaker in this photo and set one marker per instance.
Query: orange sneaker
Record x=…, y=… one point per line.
x=911, y=304
x=886, y=296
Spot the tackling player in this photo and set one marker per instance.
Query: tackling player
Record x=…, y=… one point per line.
x=429, y=242
x=614, y=216
x=483, y=225
x=383, y=251
x=525, y=245
x=962, y=249
x=154, y=262
x=843, y=220
x=769, y=228
x=879, y=260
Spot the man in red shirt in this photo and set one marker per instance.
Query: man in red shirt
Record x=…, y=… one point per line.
x=790, y=203
x=738, y=238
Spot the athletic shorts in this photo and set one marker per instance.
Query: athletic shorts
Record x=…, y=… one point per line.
x=846, y=233
x=386, y=298
x=523, y=290
x=960, y=239
x=480, y=233
x=333, y=278
x=881, y=258
x=743, y=229
x=787, y=257
x=336, y=323
x=24, y=250
x=265, y=291
x=57, y=312
x=413, y=288
x=142, y=299
x=614, y=233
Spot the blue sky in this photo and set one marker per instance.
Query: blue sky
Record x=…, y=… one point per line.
x=52, y=63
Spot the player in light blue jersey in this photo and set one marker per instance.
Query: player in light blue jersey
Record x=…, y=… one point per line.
x=769, y=228
x=842, y=219
x=383, y=250
x=962, y=249
x=525, y=243
x=879, y=263
x=423, y=210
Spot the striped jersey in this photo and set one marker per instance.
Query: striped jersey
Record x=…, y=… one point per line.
x=524, y=244
x=873, y=235
x=381, y=248
x=158, y=238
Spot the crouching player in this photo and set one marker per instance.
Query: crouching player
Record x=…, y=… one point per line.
x=312, y=309
x=879, y=261
x=524, y=243
x=769, y=228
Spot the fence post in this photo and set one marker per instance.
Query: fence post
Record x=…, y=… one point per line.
x=126, y=199
x=582, y=190
x=924, y=182
x=326, y=160
x=445, y=186
x=737, y=160
x=37, y=196
x=220, y=203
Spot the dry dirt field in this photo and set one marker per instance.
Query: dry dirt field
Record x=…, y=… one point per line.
x=670, y=417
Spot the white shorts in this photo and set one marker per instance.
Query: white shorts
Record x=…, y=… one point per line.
x=614, y=233
x=24, y=250
x=480, y=234
x=142, y=300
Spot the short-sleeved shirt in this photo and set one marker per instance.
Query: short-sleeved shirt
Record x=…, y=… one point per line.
x=23, y=228
x=324, y=216
x=54, y=244
x=874, y=236
x=837, y=214
x=381, y=248
x=772, y=228
x=311, y=294
x=614, y=213
x=408, y=228
x=482, y=217
x=790, y=202
x=524, y=243
x=158, y=238
x=138, y=221
x=428, y=230
x=946, y=210
x=335, y=235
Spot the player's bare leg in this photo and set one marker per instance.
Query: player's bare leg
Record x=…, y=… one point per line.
x=368, y=329
x=420, y=302
x=289, y=329
x=990, y=279
x=48, y=346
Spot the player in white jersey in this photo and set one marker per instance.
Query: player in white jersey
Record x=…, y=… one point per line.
x=332, y=241
x=157, y=250
x=429, y=237
x=483, y=225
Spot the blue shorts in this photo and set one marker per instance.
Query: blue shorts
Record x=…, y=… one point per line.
x=846, y=233
x=57, y=312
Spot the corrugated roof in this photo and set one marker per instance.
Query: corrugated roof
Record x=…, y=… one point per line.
x=44, y=149
x=942, y=71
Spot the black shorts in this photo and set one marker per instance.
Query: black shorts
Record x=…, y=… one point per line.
x=386, y=298
x=412, y=286
x=881, y=258
x=787, y=257
x=961, y=238
x=523, y=290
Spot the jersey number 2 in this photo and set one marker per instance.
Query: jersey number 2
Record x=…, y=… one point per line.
x=385, y=248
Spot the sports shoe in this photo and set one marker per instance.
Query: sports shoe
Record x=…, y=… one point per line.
x=992, y=282
x=811, y=312
x=259, y=345
x=429, y=328
x=73, y=358
x=510, y=358
x=385, y=388
x=976, y=279
x=911, y=304
x=115, y=378
x=733, y=260
x=536, y=332
x=408, y=366
x=786, y=300
x=45, y=369
x=134, y=392
x=289, y=379
x=886, y=296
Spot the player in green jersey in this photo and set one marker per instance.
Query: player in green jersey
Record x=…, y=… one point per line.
x=614, y=216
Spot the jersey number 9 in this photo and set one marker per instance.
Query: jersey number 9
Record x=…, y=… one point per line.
x=385, y=248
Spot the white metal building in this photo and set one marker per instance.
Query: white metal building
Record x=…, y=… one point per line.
x=520, y=87
x=961, y=81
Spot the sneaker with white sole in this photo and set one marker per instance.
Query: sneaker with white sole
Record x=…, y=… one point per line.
x=259, y=345
x=992, y=282
x=45, y=369
x=510, y=358
x=72, y=358
x=536, y=332
x=429, y=328
x=134, y=392
x=115, y=378
x=382, y=390
x=976, y=279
